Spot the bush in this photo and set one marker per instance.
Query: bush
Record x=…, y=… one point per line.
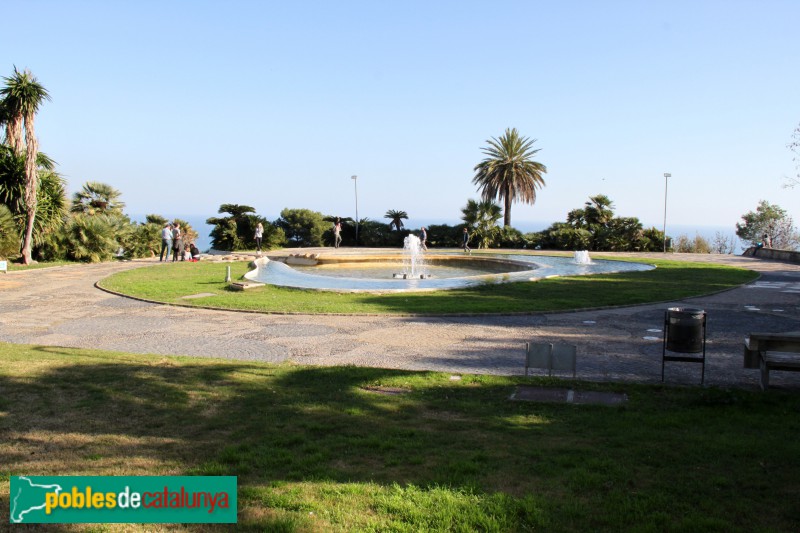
x=444, y=236
x=685, y=245
x=510, y=238
x=92, y=238
x=141, y=240
x=9, y=234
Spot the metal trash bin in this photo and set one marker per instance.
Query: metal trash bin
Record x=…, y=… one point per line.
x=684, y=332
x=684, y=329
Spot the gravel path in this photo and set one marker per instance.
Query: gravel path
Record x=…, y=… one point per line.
x=61, y=307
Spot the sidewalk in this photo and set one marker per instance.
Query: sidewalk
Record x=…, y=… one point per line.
x=61, y=307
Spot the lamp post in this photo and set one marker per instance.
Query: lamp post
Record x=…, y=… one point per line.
x=667, y=175
x=355, y=184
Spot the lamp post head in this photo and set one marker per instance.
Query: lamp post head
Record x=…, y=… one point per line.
x=667, y=175
x=353, y=177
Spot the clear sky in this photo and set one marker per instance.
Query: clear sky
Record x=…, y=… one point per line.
x=185, y=105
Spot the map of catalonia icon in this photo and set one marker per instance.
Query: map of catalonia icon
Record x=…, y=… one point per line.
x=28, y=499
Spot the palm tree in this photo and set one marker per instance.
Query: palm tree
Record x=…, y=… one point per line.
x=51, y=201
x=508, y=172
x=482, y=217
x=21, y=98
x=599, y=210
x=396, y=218
x=97, y=198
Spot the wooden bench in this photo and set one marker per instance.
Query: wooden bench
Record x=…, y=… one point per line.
x=772, y=351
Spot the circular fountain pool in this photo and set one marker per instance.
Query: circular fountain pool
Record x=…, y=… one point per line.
x=375, y=273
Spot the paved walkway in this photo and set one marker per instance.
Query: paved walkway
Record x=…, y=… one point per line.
x=61, y=307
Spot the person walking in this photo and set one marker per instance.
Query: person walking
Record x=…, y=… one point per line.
x=166, y=242
x=177, y=242
x=337, y=233
x=466, y=241
x=259, y=235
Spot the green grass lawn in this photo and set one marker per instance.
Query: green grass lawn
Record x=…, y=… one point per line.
x=44, y=264
x=317, y=449
x=671, y=280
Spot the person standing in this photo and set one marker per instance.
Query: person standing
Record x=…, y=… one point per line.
x=166, y=242
x=177, y=242
x=767, y=241
x=259, y=235
x=423, y=237
x=337, y=233
x=466, y=241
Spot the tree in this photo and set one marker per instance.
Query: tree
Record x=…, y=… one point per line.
x=508, y=172
x=396, y=218
x=594, y=227
x=723, y=244
x=596, y=217
x=302, y=227
x=482, y=217
x=22, y=96
x=794, y=146
x=227, y=233
x=237, y=231
x=158, y=220
x=51, y=201
x=770, y=220
x=374, y=233
x=97, y=198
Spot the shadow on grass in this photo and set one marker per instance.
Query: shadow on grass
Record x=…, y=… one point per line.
x=308, y=440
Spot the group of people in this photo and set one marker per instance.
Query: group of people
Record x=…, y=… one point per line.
x=172, y=242
x=423, y=237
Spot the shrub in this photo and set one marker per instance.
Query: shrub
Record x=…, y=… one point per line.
x=685, y=245
x=9, y=235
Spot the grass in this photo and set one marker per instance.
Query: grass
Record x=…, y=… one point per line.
x=671, y=280
x=315, y=450
x=44, y=264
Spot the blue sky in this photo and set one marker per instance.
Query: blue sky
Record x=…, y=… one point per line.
x=183, y=106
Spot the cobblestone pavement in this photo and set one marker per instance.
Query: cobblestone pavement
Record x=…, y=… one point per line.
x=61, y=307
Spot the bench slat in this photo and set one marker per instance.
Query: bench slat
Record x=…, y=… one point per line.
x=787, y=359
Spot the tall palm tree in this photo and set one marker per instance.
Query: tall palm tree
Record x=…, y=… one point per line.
x=396, y=218
x=97, y=198
x=21, y=98
x=509, y=173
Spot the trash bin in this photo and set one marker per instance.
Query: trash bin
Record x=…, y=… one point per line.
x=684, y=329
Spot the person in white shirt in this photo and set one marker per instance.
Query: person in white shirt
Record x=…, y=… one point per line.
x=166, y=241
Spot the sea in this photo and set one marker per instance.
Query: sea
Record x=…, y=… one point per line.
x=198, y=222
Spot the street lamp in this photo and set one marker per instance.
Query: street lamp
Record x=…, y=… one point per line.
x=667, y=175
x=355, y=184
